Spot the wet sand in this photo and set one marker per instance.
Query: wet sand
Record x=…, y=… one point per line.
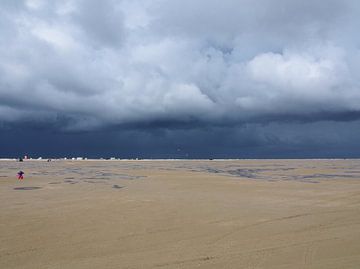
x=180, y=214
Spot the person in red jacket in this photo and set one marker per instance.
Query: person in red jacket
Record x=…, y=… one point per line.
x=20, y=175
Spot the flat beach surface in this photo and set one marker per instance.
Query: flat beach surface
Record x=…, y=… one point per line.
x=180, y=214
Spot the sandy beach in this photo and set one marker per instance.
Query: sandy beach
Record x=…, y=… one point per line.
x=180, y=214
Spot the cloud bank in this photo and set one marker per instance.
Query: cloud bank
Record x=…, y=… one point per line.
x=86, y=64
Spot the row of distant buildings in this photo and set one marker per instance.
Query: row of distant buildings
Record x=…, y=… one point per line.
x=66, y=158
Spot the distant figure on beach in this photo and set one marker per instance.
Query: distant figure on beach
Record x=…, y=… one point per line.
x=20, y=175
x=20, y=159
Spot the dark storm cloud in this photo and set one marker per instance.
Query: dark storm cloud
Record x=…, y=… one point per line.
x=110, y=63
x=275, y=140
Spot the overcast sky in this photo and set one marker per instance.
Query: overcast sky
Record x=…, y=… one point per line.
x=180, y=78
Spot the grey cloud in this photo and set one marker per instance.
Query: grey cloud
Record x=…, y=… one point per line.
x=110, y=63
x=102, y=21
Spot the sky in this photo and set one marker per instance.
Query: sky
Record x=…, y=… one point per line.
x=180, y=78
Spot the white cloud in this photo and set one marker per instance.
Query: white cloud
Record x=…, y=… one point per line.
x=55, y=35
x=114, y=62
x=34, y=4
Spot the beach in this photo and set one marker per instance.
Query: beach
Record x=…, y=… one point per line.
x=180, y=214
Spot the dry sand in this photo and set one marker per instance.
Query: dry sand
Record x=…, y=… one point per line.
x=180, y=214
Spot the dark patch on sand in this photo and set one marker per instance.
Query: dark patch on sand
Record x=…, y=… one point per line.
x=53, y=183
x=129, y=177
x=213, y=170
x=26, y=188
x=70, y=181
x=93, y=182
x=248, y=173
x=329, y=176
x=106, y=174
x=99, y=178
x=117, y=187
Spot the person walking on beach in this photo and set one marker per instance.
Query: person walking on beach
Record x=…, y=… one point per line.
x=20, y=175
